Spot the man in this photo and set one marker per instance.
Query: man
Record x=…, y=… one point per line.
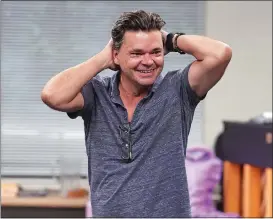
x=137, y=122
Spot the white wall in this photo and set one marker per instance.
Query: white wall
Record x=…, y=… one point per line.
x=246, y=88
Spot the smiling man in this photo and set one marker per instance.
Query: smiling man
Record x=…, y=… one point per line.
x=136, y=121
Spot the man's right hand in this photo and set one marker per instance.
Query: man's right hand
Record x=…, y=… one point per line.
x=63, y=91
x=107, y=55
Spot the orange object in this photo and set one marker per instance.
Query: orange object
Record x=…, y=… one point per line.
x=247, y=190
x=252, y=191
x=9, y=189
x=232, y=187
x=268, y=193
x=76, y=193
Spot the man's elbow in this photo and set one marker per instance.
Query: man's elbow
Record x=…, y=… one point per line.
x=49, y=98
x=221, y=60
x=225, y=54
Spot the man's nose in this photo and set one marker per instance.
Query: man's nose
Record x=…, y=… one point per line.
x=147, y=60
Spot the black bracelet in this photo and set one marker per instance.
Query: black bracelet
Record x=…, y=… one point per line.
x=175, y=47
x=169, y=42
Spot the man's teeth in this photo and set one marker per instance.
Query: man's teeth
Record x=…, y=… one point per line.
x=147, y=71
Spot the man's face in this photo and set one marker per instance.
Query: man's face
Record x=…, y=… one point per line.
x=141, y=56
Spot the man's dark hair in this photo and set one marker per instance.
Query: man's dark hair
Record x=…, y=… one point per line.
x=135, y=21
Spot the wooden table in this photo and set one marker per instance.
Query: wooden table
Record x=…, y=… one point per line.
x=43, y=207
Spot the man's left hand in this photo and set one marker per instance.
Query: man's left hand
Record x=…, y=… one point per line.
x=164, y=35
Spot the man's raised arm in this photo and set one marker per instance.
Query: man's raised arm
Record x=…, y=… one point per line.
x=212, y=59
x=63, y=91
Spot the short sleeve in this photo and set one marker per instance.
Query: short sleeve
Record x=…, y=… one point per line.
x=189, y=101
x=88, y=97
x=187, y=93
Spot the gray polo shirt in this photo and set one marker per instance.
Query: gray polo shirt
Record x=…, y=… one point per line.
x=137, y=169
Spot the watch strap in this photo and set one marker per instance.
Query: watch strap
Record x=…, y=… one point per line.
x=175, y=47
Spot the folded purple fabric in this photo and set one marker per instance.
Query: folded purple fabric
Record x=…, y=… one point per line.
x=204, y=171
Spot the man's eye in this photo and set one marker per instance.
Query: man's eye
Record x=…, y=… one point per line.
x=157, y=52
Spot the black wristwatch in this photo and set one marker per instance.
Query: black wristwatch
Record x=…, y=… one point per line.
x=175, y=47
x=171, y=45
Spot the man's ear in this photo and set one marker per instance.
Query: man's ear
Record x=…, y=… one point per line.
x=115, y=56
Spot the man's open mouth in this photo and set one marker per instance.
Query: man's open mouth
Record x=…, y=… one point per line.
x=146, y=71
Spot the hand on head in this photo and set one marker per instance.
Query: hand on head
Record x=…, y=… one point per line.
x=107, y=54
x=164, y=36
